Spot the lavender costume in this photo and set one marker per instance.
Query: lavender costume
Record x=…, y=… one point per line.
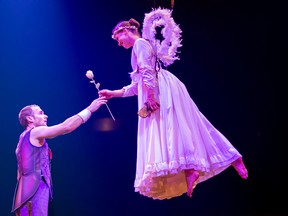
x=174, y=138
x=34, y=178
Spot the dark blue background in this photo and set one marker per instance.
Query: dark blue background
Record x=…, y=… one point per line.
x=229, y=62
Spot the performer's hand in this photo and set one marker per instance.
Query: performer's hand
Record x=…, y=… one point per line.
x=96, y=104
x=106, y=93
x=152, y=104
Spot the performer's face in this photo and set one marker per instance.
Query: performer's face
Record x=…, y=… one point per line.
x=39, y=118
x=123, y=39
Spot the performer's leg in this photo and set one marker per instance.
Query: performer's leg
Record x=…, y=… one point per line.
x=30, y=208
x=240, y=168
x=191, y=177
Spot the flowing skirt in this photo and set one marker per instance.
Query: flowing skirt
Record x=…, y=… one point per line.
x=174, y=138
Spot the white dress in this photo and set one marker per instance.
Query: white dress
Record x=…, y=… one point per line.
x=175, y=137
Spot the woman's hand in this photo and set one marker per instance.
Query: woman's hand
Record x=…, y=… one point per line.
x=110, y=94
x=152, y=104
x=106, y=93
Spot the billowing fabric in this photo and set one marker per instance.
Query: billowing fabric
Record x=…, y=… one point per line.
x=33, y=168
x=174, y=138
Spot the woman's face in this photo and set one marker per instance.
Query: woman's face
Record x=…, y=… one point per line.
x=123, y=39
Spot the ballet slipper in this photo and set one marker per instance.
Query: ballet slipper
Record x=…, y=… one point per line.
x=240, y=168
x=191, y=177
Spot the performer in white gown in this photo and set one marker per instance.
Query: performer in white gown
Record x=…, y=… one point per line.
x=177, y=147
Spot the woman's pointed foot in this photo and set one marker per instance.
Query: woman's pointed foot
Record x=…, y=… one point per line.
x=191, y=178
x=240, y=168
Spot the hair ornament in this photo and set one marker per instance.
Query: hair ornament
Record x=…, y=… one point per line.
x=166, y=50
x=121, y=28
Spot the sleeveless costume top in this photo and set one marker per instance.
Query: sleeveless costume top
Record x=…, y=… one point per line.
x=33, y=166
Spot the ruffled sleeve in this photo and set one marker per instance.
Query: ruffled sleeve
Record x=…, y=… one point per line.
x=132, y=89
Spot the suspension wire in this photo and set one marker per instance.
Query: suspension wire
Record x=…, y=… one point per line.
x=157, y=61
